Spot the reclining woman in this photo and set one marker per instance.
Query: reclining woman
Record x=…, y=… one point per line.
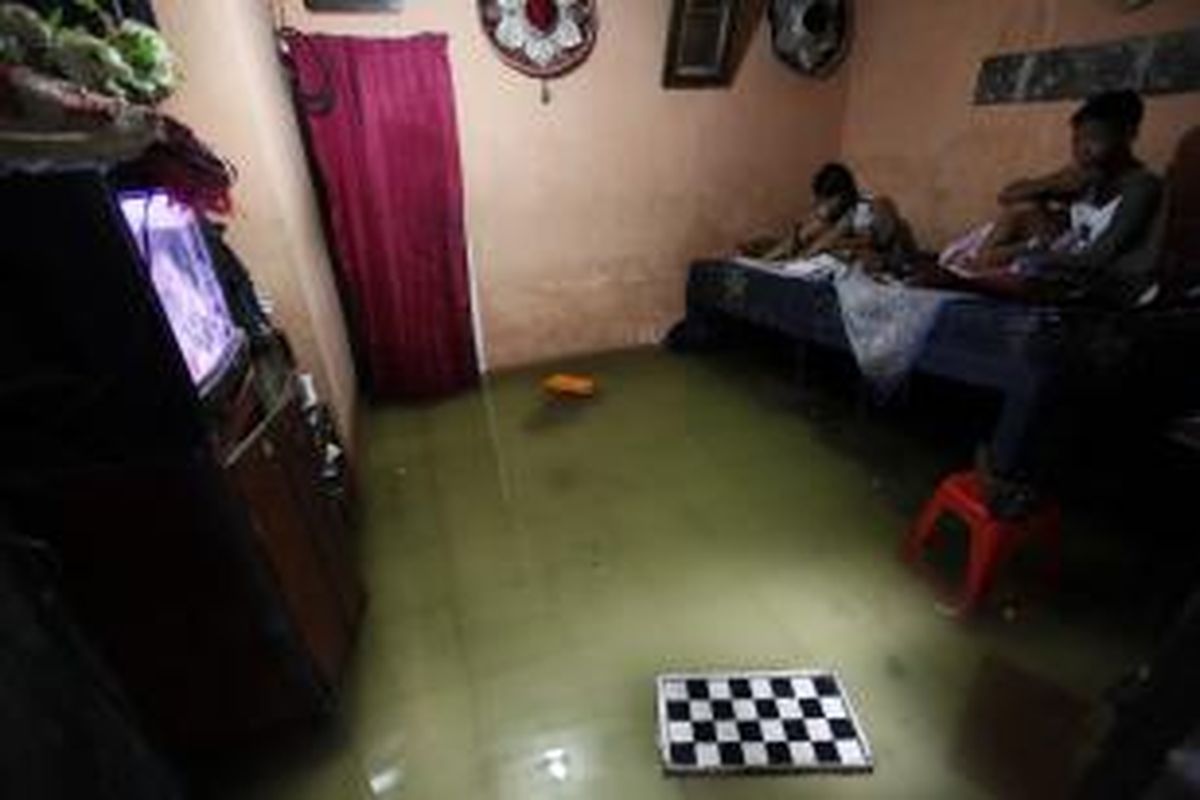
x=849, y=224
x=1085, y=232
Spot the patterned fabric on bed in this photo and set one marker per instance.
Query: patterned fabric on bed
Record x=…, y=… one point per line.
x=887, y=325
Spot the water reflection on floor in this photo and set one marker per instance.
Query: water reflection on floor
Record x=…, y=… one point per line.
x=533, y=565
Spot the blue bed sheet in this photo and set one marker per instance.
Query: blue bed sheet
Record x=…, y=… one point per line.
x=1019, y=350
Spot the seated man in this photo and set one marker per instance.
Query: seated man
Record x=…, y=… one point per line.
x=1085, y=231
x=850, y=225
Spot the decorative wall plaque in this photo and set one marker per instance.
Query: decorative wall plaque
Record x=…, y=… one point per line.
x=811, y=36
x=541, y=38
x=1161, y=64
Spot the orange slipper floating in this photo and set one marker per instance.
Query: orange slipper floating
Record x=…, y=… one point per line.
x=566, y=385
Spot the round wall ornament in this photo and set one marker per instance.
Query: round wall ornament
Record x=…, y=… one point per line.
x=541, y=38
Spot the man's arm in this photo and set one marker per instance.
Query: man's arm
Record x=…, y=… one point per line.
x=811, y=228
x=780, y=250
x=1063, y=184
x=828, y=240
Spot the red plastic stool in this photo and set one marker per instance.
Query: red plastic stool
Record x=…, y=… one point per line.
x=991, y=541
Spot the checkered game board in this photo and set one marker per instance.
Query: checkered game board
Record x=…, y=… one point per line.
x=759, y=722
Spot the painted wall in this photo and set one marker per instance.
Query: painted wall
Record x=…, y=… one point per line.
x=235, y=99
x=584, y=213
x=912, y=132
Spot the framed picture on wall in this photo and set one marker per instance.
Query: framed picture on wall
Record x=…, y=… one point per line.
x=700, y=39
x=353, y=5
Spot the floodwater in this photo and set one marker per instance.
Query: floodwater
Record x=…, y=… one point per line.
x=534, y=564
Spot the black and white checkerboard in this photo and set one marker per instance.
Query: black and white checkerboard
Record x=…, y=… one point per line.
x=759, y=722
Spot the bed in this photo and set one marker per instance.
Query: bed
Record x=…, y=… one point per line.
x=1032, y=355
x=1021, y=351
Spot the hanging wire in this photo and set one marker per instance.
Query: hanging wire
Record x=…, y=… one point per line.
x=279, y=15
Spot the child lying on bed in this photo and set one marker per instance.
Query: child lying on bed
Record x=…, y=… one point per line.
x=1084, y=231
x=848, y=224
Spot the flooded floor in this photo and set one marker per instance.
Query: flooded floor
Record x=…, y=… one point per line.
x=533, y=566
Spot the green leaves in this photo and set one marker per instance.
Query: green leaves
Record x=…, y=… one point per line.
x=27, y=35
x=150, y=59
x=128, y=60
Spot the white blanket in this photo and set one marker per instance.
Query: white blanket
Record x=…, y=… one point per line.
x=819, y=267
x=887, y=326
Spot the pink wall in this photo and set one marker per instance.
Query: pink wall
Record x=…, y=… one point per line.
x=583, y=214
x=912, y=132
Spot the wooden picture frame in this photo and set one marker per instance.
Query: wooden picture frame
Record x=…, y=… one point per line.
x=337, y=6
x=700, y=44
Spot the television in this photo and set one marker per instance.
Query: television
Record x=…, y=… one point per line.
x=180, y=268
